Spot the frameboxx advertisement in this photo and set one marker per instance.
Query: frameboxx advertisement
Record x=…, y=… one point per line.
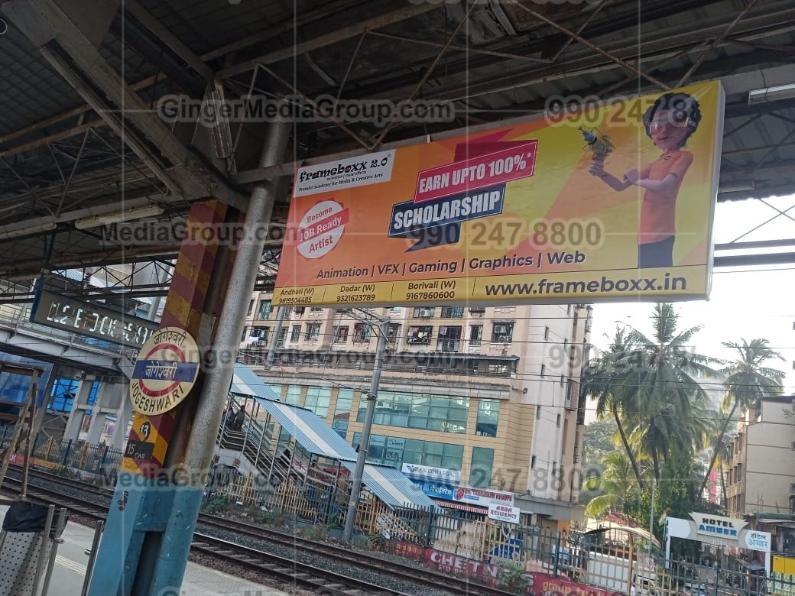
x=611, y=201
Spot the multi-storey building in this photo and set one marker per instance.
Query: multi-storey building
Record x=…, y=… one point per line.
x=484, y=398
x=761, y=475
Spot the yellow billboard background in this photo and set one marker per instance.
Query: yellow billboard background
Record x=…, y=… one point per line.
x=357, y=247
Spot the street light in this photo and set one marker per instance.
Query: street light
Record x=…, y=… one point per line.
x=381, y=324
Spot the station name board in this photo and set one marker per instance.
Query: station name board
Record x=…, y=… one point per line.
x=84, y=318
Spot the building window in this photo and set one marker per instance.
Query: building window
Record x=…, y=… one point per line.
x=299, y=310
x=421, y=411
x=475, y=335
x=250, y=307
x=295, y=333
x=361, y=333
x=342, y=412
x=419, y=335
x=340, y=334
x=449, y=339
x=424, y=312
x=488, y=417
x=498, y=368
x=392, y=333
x=282, y=336
x=475, y=310
x=293, y=396
x=318, y=400
x=452, y=312
x=63, y=394
x=502, y=333
x=395, y=451
x=245, y=334
x=481, y=467
x=316, y=309
x=312, y=331
x=277, y=389
x=265, y=309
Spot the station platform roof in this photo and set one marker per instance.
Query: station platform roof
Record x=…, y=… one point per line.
x=67, y=160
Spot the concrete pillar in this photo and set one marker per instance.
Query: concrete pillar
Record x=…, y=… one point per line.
x=122, y=420
x=75, y=419
x=108, y=402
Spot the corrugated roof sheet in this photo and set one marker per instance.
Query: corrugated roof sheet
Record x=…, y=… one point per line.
x=246, y=382
x=313, y=434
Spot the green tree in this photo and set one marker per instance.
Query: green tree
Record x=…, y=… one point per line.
x=605, y=380
x=746, y=380
x=663, y=398
x=616, y=484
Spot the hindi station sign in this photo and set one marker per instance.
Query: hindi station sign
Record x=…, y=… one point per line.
x=165, y=371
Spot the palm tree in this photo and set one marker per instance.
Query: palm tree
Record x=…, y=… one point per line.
x=667, y=400
x=604, y=380
x=746, y=381
x=615, y=483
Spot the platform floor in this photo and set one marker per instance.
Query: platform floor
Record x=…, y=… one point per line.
x=70, y=569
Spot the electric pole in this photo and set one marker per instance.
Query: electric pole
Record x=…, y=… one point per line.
x=381, y=326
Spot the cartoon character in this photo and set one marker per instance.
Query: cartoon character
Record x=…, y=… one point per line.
x=669, y=123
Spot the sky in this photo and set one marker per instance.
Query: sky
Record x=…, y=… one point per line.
x=745, y=302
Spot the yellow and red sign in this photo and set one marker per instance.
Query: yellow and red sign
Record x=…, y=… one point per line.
x=165, y=371
x=611, y=201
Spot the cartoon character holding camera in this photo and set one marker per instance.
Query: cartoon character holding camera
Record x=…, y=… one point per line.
x=669, y=123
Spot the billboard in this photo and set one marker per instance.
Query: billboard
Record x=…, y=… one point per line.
x=612, y=201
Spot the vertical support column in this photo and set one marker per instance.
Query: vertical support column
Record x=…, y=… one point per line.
x=133, y=539
x=122, y=420
x=75, y=420
x=98, y=416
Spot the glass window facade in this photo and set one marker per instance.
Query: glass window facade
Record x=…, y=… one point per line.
x=423, y=411
x=318, y=400
x=481, y=467
x=452, y=312
x=342, y=412
x=395, y=451
x=276, y=388
x=488, y=417
x=293, y=396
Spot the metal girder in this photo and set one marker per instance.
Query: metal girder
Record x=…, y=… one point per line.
x=64, y=46
x=328, y=39
x=140, y=14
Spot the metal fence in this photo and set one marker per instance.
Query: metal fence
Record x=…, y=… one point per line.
x=77, y=456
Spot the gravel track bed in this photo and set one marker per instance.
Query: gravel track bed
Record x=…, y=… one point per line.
x=322, y=562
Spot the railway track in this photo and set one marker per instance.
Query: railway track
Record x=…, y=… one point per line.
x=417, y=574
x=251, y=557
x=299, y=574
